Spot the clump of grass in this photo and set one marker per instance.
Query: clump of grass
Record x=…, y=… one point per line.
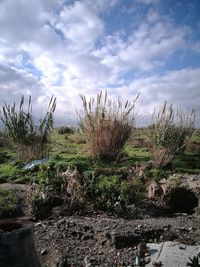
x=193, y=147
x=107, y=125
x=33, y=142
x=66, y=130
x=171, y=131
x=9, y=203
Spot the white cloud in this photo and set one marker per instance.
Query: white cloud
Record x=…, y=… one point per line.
x=80, y=26
x=148, y=46
x=152, y=16
x=63, y=48
x=179, y=87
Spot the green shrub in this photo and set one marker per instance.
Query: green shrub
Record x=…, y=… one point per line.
x=171, y=131
x=111, y=189
x=33, y=142
x=107, y=190
x=107, y=125
x=132, y=190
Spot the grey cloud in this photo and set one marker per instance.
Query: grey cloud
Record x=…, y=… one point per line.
x=15, y=83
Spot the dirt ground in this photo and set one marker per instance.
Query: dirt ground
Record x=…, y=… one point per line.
x=102, y=241
x=90, y=238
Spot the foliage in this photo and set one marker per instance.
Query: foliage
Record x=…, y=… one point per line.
x=66, y=130
x=107, y=125
x=32, y=141
x=49, y=178
x=108, y=190
x=156, y=174
x=171, y=131
x=193, y=147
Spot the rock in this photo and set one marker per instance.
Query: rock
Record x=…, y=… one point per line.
x=43, y=252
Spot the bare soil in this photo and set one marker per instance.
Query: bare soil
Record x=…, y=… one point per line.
x=103, y=241
x=89, y=238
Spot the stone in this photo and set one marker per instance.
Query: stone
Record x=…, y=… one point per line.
x=43, y=252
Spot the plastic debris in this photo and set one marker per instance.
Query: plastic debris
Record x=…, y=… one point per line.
x=137, y=261
x=34, y=163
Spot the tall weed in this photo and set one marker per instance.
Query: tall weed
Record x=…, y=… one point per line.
x=171, y=131
x=32, y=141
x=107, y=125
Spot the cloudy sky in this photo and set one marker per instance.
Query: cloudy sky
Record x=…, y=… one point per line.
x=67, y=48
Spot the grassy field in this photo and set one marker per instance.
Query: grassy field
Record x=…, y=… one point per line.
x=71, y=150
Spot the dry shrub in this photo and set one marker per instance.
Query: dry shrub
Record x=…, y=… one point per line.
x=66, y=130
x=107, y=125
x=33, y=142
x=72, y=184
x=139, y=143
x=193, y=147
x=4, y=140
x=171, y=131
x=77, y=138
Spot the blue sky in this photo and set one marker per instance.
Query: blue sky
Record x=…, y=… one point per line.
x=126, y=47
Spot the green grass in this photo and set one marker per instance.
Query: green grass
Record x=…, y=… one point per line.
x=70, y=150
x=196, y=136
x=187, y=163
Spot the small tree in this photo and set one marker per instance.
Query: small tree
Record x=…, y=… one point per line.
x=171, y=131
x=32, y=141
x=107, y=125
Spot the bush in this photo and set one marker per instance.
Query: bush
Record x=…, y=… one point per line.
x=171, y=131
x=193, y=147
x=66, y=130
x=33, y=142
x=107, y=125
x=4, y=140
x=108, y=190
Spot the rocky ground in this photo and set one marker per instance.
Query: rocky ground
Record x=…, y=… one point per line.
x=103, y=241
x=91, y=238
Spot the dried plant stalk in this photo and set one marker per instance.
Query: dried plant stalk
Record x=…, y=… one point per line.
x=172, y=130
x=107, y=125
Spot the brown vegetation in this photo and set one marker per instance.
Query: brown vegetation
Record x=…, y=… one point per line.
x=170, y=133
x=107, y=125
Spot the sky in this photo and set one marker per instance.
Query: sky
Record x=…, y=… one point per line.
x=68, y=48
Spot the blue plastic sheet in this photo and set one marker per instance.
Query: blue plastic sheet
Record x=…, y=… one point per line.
x=34, y=163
